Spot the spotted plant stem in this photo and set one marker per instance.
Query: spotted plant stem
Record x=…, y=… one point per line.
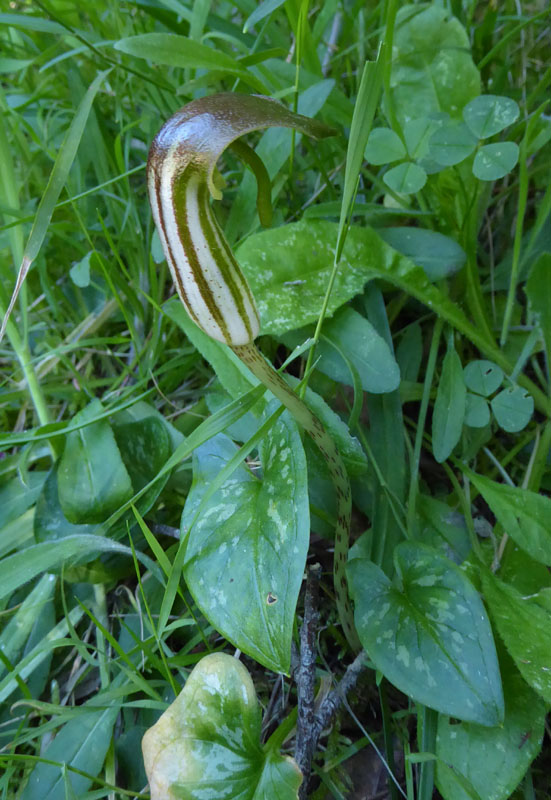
x=267, y=375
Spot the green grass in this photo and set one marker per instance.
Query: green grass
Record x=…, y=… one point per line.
x=112, y=403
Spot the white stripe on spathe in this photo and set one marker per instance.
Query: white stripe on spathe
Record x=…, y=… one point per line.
x=236, y=330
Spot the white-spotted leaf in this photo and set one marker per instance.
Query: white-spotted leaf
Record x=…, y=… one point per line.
x=207, y=742
x=489, y=114
x=246, y=552
x=493, y=760
x=494, y=161
x=428, y=633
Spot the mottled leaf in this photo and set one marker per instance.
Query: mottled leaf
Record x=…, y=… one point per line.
x=432, y=68
x=246, y=552
x=489, y=114
x=493, y=760
x=207, y=743
x=494, y=161
x=428, y=633
x=524, y=624
x=288, y=269
x=92, y=479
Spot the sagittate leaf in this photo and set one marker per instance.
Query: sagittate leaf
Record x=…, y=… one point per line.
x=439, y=255
x=245, y=553
x=207, y=743
x=489, y=114
x=449, y=408
x=432, y=68
x=493, y=760
x=428, y=633
x=92, y=479
x=523, y=514
x=524, y=624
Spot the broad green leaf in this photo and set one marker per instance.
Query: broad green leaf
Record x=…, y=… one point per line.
x=538, y=291
x=483, y=377
x=92, y=479
x=477, y=411
x=406, y=178
x=439, y=255
x=207, y=743
x=28, y=22
x=384, y=146
x=173, y=50
x=493, y=760
x=82, y=743
x=245, y=553
x=524, y=624
x=449, y=408
x=523, y=514
x=489, y=114
x=19, y=494
x=428, y=633
x=513, y=408
x=367, y=351
x=288, y=269
x=49, y=520
x=448, y=525
x=451, y=143
x=432, y=68
x=145, y=447
x=494, y=161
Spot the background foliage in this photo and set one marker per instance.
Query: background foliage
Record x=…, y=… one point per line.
x=124, y=427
